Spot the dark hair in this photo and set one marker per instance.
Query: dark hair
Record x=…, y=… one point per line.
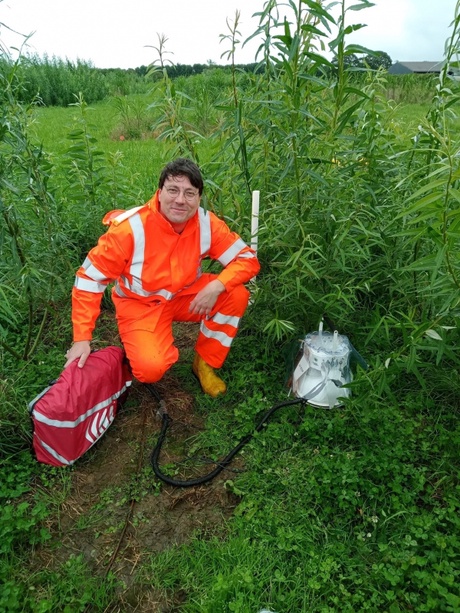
x=182, y=167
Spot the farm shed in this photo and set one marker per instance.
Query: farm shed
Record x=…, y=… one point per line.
x=415, y=67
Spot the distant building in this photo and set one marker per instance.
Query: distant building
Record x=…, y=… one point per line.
x=425, y=68
x=416, y=67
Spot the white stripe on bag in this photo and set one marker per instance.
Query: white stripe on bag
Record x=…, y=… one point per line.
x=55, y=454
x=73, y=424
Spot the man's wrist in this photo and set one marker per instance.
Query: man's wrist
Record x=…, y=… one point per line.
x=219, y=286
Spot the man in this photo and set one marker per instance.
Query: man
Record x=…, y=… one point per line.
x=153, y=253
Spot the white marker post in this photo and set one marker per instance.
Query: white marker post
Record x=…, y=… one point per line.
x=254, y=230
x=255, y=219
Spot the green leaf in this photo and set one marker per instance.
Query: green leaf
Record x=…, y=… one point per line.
x=9, y=186
x=349, y=30
x=422, y=203
x=433, y=185
x=433, y=334
x=364, y=4
x=312, y=30
x=317, y=10
x=358, y=48
x=319, y=59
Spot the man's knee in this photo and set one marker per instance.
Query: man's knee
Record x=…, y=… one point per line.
x=151, y=367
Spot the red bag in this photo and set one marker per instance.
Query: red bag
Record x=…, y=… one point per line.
x=73, y=412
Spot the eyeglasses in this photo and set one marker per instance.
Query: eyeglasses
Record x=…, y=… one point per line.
x=189, y=194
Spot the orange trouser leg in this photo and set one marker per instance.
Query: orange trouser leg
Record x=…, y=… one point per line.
x=148, y=343
x=217, y=333
x=146, y=329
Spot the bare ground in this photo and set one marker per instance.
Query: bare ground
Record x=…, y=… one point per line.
x=117, y=513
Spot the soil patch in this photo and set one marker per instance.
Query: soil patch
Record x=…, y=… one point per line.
x=117, y=513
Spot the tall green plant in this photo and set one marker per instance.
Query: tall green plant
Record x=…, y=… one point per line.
x=307, y=119
x=346, y=97
x=91, y=182
x=29, y=220
x=430, y=217
x=236, y=136
x=171, y=124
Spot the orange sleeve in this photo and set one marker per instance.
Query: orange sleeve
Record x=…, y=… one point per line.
x=239, y=261
x=104, y=263
x=86, y=307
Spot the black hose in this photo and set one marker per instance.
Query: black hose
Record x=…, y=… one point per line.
x=166, y=421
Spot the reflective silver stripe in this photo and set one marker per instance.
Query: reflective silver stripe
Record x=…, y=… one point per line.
x=119, y=291
x=37, y=398
x=220, y=318
x=55, y=454
x=97, y=282
x=93, y=272
x=164, y=293
x=139, y=253
x=205, y=231
x=134, y=287
x=137, y=261
x=99, y=424
x=248, y=254
x=122, y=216
x=73, y=424
x=232, y=252
x=89, y=286
x=220, y=337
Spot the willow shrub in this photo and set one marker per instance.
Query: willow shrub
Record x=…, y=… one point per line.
x=56, y=82
x=47, y=224
x=29, y=223
x=356, y=222
x=411, y=88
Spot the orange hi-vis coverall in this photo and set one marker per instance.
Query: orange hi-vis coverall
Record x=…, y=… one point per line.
x=157, y=272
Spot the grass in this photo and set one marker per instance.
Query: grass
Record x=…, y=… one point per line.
x=340, y=510
x=144, y=157
x=52, y=126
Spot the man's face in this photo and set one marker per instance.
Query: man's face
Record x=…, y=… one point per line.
x=179, y=201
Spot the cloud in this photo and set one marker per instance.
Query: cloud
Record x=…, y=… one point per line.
x=117, y=33
x=406, y=29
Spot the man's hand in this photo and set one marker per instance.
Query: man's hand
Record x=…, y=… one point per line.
x=80, y=349
x=205, y=300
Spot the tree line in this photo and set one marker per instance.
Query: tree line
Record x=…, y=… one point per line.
x=52, y=81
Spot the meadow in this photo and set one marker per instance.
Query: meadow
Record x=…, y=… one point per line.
x=343, y=510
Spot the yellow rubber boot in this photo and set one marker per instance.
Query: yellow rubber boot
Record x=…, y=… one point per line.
x=209, y=381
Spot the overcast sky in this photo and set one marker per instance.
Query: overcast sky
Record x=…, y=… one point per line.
x=117, y=33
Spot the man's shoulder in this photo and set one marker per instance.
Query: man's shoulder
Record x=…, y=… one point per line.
x=118, y=216
x=208, y=217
